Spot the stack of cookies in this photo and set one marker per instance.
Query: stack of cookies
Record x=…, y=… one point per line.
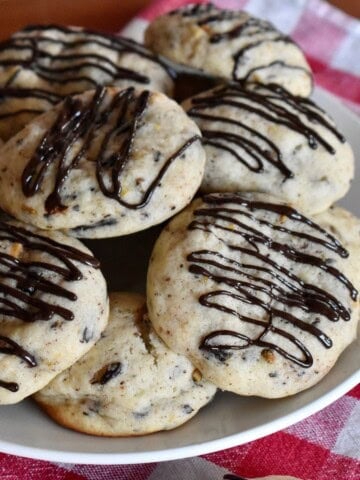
x=251, y=288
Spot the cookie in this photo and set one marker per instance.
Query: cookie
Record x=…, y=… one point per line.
x=230, y=44
x=105, y=163
x=41, y=64
x=129, y=383
x=263, y=139
x=345, y=226
x=53, y=307
x=259, y=297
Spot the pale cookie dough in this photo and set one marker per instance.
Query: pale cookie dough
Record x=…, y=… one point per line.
x=230, y=44
x=53, y=307
x=105, y=163
x=129, y=383
x=262, y=139
x=41, y=64
x=345, y=226
x=260, y=298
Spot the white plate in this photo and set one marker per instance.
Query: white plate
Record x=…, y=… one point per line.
x=228, y=421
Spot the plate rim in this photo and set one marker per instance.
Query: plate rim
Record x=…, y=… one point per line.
x=209, y=446
x=154, y=456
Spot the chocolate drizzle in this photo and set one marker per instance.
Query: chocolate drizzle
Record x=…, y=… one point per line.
x=12, y=348
x=119, y=117
x=253, y=31
x=33, y=48
x=21, y=280
x=258, y=279
x=270, y=102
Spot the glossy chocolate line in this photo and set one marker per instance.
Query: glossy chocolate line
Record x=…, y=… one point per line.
x=247, y=297
x=331, y=243
x=317, y=301
x=240, y=54
x=10, y=347
x=9, y=92
x=251, y=147
x=20, y=280
x=148, y=193
x=77, y=120
x=23, y=111
x=280, y=63
x=313, y=112
x=11, y=386
x=264, y=285
x=192, y=10
x=73, y=63
x=248, y=28
x=241, y=30
x=273, y=155
x=56, y=74
x=255, y=237
x=50, y=97
x=29, y=281
x=115, y=165
x=106, y=40
x=265, y=105
x=64, y=253
x=267, y=108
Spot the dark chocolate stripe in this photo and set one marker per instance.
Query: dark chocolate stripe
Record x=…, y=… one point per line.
x=21, y=280
x=27, y=50
x=247, y=28
x=83, y=120
x=269, y=286
x=10, y=347
x=270, y=102
x=278, y=63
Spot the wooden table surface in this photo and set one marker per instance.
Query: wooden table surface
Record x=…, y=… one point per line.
x=107, y=15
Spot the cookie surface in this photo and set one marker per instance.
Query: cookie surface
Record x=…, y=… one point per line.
x=260, y=298
x=41, y=64
x=106, y=163
x=53, y=307
x=230, y=44
x=129, y=383
x=262, y=139
x=345, y=226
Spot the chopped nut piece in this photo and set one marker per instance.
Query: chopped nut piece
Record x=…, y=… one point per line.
x=268, y=355
x=196, y=375
x=16, y=250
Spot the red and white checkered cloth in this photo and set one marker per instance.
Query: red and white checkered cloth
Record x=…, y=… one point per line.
x=326, y=446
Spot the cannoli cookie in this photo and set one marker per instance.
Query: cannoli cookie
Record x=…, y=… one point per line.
x=105, y=163
x=129, y=383
x=345, y=226
x=259, y=297
x=263, y=139
x=230, y=44
x=41, y=64
x=53, y=307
